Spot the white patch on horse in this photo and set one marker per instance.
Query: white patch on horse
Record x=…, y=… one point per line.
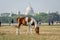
x=26, y=19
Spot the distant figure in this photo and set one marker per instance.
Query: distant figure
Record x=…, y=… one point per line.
x=39, y=22
x=0, y=23
x=52, y=22
x=12, y=21
x=49, y=22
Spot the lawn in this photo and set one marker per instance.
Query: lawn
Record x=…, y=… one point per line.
x=46, y=33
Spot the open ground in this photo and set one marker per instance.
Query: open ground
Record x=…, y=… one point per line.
x=47, y=32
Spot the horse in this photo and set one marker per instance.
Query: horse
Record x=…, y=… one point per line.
x=28, y=21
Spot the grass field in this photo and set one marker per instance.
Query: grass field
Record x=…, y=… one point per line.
x=46, y=33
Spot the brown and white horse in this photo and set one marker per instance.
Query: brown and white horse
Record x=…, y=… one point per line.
x=29, y=21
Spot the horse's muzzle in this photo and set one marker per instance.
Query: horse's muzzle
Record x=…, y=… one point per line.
x=37, y=30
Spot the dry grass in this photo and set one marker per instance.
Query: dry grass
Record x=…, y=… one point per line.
x=46, y=33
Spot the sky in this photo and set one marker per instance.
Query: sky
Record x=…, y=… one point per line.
x=8, y=6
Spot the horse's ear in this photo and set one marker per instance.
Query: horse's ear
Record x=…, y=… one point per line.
x=18, y=18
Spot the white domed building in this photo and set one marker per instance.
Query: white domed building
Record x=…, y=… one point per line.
x=29, y=10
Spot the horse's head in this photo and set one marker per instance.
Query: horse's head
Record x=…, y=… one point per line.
x=19, y=21
x=37, y=30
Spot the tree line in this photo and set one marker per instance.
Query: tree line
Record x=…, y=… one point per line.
x=43, y=17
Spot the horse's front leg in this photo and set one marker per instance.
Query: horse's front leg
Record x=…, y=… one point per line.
x=29, y=29
x=17, y=31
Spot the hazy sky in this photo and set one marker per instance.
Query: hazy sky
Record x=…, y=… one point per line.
x=37, y=5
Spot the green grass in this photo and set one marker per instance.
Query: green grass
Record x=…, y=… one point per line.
x=46, y=33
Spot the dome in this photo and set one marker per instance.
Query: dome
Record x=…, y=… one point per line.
x=29, y=10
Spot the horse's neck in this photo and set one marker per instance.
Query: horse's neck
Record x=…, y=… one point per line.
x=35, y=22
x=36, y=25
